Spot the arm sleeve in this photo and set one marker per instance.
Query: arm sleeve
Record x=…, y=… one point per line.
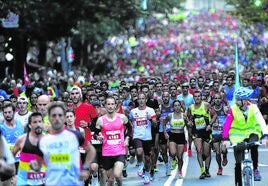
x=93, y=124
x=261, y=121
x=227, y=124
x=128, y=129
x=96, y=133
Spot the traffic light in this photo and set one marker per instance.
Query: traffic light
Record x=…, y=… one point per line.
x=257, y=3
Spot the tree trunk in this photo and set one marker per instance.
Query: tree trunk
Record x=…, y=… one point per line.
x=20, y=41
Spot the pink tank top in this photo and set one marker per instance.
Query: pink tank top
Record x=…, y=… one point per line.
x=113, y=133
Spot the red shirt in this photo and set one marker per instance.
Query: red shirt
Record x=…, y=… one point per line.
x=85, y=112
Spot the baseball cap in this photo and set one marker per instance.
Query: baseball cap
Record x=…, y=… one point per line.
x=22, y=99
x=2, y=98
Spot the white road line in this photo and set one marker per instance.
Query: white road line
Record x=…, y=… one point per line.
x=174, y=173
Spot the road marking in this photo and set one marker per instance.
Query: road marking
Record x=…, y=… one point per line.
x=174, y=173
x=262, y=165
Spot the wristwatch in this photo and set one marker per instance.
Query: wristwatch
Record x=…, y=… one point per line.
x=85, y=167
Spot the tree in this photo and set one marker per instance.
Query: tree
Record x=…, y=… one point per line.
x=92, y=21
x=250, y=11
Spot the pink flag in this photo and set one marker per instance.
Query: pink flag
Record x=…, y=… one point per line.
x=25, y=76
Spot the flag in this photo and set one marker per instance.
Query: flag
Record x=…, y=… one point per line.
x=237, y=79
x=25, y=77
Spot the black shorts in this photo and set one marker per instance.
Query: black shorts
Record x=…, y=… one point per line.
x=162, y=138
x=98, y=158
x=146, y=145
x=109, y=161
x=216, y=138
x=178, y=138
x=203, y=134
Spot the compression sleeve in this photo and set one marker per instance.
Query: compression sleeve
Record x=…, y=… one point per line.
x=96, y=133
x=227, y=124
x=128, y=129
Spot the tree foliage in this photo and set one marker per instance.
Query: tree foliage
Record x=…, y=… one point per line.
x=248, y=11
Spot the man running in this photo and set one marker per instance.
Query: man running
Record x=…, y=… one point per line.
x=112, y=128
x=29, y=151
x=201, y=117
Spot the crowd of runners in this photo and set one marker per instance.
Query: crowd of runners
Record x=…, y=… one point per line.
x=170, y=90
x=114, y=122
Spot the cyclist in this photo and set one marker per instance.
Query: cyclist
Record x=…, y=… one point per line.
x=244, y=121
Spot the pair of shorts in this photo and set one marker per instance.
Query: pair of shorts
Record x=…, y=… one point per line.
x=98, y=157
x=162, y=138
x=216, y=138
x=145, y=144
x=109, y=161
x=203, y=134
x=178, y=138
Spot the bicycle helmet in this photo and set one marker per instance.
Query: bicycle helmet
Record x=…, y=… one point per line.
x=243, y=93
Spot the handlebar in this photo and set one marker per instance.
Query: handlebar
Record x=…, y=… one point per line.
x=246, y=144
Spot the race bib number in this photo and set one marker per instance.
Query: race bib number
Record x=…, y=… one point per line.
x=94, y=141
x=82, y=150
x=200, y=123
x=178, y=124
x=142, y=122
x=113, y=137
x=59, y=158
x=36, y=175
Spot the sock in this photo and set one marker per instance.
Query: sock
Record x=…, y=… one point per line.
x=202, y=169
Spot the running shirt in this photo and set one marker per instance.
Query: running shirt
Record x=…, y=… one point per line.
x=164, y=113
x=22, y=118
x=200, y=117
x=11, y=135
x=25, y=175
x=255, y=95
x=229, y=93
x=113, y=136
x=221, y=116
x=141, y=123
x=85, y=112
x=62, y=158
x=188, y=99
x=177, y=124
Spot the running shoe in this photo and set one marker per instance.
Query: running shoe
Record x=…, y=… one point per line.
x=202, y=176
x=180, y=175
x=190, y=153
x=146, y=180
x=224, y=162
x=208, y=174
x=257, y=175
x=173, y=164
x=168, y=170
x=152, y=178
x=219, y=171
x=94, y=181
x=140, y=170
x=124, y=172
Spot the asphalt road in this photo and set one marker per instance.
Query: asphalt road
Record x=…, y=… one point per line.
x=191, y=173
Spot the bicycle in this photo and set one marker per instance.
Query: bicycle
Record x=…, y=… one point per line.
x=247, y=171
